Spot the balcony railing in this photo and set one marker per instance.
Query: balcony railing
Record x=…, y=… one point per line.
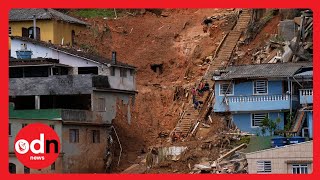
x=306, y=96
x=253, y=103
x=306, y=92
x=76, y=115
x=234, y=99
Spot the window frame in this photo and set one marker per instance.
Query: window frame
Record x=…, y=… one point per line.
x=95, y=136
x=232, y=85
x=112, y=71
x=102, y=108
x=24, y=125
x=77, y=138
x=123, y=72
x=10, y=130
x=266, y=87
x=261, y=166
x=252, y=115
x=26, y=170
x=131, y=72
x=299, y=167
x=52, y=126
x=53, y=166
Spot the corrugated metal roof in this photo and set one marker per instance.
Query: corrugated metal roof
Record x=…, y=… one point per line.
x=307, y=73
x=263, y=70
x=27, y=15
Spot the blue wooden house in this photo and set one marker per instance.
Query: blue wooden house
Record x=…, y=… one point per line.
x=252, y=92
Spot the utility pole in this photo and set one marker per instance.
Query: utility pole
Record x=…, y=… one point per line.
x=34, y=27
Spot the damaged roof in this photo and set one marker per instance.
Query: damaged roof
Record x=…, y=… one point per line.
x=86, y=55
x=263, y=70
x=42, y=14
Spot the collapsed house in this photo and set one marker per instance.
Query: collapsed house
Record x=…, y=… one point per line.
x=78, y=94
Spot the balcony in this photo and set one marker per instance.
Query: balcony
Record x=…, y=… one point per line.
x=70, y=115
x=306, y=96
x=252, y=103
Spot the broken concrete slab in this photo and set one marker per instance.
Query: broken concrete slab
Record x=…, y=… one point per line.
x=287, y=29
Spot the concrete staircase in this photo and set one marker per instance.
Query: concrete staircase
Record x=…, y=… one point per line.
x=190, y=116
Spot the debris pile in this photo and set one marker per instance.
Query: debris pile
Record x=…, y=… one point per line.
x=292, y=43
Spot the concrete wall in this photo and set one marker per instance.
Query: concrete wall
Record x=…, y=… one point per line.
x=63, y=85
x=287, y=29
x=112, y=101
x=62, y=30
x=85, y=156
x=124, y=83
x=244, y=123
x=47, y=170
x=279, y=156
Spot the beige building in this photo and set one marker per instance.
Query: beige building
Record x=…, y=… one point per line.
x=290, y=159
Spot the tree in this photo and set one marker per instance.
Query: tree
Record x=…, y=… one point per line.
x=269, y=125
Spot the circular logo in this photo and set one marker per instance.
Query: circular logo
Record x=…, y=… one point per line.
x=37, y=146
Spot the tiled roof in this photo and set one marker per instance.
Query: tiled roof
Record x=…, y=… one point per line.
x=87, y=55
x=263, y=70
x=27, y=15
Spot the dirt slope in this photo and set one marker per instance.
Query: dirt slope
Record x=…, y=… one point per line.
x=175, y=40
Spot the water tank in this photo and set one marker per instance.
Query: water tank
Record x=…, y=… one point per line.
x=278, y=141
x=296, y=140
x=24, y=54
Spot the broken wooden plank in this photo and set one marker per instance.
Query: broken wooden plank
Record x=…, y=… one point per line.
x=232, y=151
x=210, y=119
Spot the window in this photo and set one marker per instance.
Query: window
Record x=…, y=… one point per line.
x=226, y=89
x=9, y=129
x=256, y=119
x=123, y=72
x=299, y=169
x=12, y=168
x=26, y=170
x=95, y=136
x=260, y=87
x=53, y=166
x=73, y=35
x=263, y=166
x=73, y=135
x=88, y=70
x=101, y=104
x=30, y=33
x=131, y=72
x=112, y=71
x=24, y=125
x=52, y=126
x=10, y=32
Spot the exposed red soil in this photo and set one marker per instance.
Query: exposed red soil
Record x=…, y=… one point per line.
x=176, y=41
x=259, y=41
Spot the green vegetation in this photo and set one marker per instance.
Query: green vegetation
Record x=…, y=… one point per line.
x=269, y=125
x=92, y=13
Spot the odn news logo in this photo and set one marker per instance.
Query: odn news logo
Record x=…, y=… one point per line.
x=37, y=146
